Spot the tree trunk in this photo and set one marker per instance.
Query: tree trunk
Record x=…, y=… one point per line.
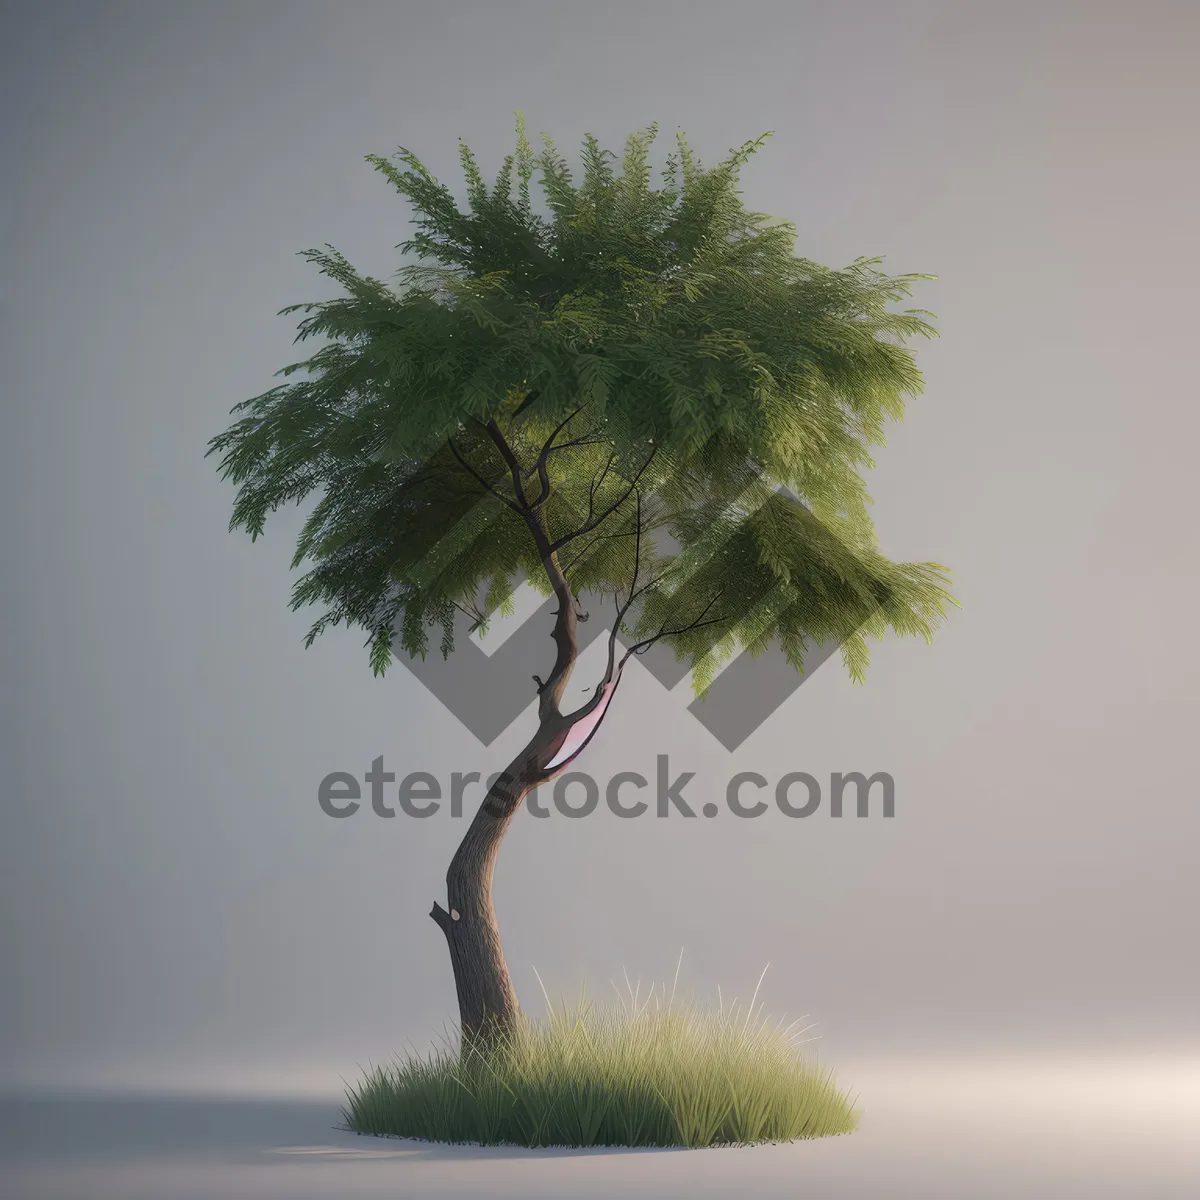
x=487, y=1002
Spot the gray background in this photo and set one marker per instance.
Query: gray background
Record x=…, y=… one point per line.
x=176, y=909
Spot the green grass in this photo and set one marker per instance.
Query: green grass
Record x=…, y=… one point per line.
x=642, y=1073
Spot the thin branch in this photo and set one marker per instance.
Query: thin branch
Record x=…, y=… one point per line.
x=600, y=537
x=514, y=467
x=598, y=483
x=483, y=482
x=642, y=647
x=622, y=609
x=542, y=471
x=416, y=480
x=529, y=399
x=663, y=631
x=473, y=612
x=585, y=440
x=653, y=582
x=637, y=558
x=591, y=524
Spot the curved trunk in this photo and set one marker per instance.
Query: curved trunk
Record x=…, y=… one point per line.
x=485, y=992
x=487, y=1001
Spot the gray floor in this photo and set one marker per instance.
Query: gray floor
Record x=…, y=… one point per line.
x=954, y=1136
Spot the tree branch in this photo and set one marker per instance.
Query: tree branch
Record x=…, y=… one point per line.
x=549, y=693
x=441, y=916
x=473, y=612
x=699, y=623
x=514, y=467
x=483, y=482
x=592, y=523
x=600, y=537
x=542, y=471
x=585, y=440
x=529, y=399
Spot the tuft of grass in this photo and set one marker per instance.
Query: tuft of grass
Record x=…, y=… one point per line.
x=644, y=1072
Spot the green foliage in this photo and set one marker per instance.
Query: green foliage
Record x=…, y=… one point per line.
x=649, y=1073
x=660, y=354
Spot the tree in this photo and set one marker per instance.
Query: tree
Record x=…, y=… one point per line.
x=644, y=397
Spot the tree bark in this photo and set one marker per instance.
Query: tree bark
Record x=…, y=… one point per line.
x=487, y=1002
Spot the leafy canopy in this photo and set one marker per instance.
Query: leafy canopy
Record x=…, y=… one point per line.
x=645, y=390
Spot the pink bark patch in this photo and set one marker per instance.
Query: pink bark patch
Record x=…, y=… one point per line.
x=582, y=729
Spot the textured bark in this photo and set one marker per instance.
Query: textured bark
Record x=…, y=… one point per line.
x=486, y=999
